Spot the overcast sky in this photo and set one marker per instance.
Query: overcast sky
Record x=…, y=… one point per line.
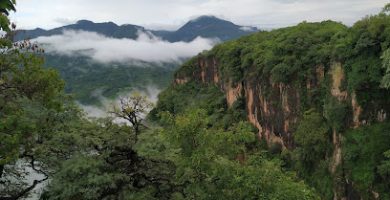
x=170, y=14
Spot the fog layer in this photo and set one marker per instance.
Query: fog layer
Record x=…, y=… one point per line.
x=103, y=49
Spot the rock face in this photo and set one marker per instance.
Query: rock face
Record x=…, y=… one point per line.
x=275, y=108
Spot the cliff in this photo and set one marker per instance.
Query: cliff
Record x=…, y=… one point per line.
x=275, y=108
x=284, y=73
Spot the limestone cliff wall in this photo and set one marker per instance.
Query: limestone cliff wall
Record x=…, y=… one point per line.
x=275, y=109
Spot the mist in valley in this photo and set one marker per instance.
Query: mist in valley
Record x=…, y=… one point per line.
x=146, y=48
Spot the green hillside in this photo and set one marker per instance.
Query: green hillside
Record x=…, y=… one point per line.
x=88, y=80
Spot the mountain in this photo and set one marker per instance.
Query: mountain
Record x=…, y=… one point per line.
x=207, y=27
x=204, y=26
x=108, y=29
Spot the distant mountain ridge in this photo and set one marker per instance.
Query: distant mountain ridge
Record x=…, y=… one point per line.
x=204, y=26
x=108, y=29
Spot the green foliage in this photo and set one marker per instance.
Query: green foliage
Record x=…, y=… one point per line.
x=5, y=7
x=214, y=164
x=101, y=157
x=282, y=54
x=88, y=81
x=230, y=57
x=369, y=38
x=188, y=157
x=384, y=168
x=188, y=68
x=364, y=151
x=178, y=98
x=336, y=112
x=386, y=8
x=27, y=90
x=214, y=152
x=4, y=23
x=312, y=139
x=282, y=73
x=92, y=175
x=386, y=65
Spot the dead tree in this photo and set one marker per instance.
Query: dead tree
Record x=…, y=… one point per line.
x=133, y=109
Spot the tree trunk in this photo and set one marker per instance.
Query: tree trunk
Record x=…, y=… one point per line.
x=1, y=170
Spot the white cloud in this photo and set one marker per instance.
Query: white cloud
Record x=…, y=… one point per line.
x=247, y=28
x=146, y=48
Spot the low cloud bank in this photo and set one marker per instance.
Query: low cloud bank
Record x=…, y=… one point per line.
x=146, y=47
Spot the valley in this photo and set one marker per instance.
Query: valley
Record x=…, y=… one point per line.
x=90, y=76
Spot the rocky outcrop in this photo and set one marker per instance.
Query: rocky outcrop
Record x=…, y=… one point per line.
x=337, y=76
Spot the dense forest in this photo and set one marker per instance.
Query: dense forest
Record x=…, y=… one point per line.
x=201, y=142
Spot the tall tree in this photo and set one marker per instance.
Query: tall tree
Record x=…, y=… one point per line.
x=29, y=96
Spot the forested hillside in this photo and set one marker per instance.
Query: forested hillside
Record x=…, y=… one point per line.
x=89, y=81
x=317, y=94
x=294, y=113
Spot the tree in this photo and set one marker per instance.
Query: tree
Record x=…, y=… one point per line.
x=30, y=96
x=102, y=163
x=133, y=109
x=311, y=139
x=5, y=7
x=386, y=65
x=386, y=8
x=384, y=168
x=212, y=163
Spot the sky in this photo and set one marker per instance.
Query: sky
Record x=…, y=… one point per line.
x=171, y=14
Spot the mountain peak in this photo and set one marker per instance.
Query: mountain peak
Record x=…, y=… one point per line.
x=205, y=17
x=84, y=21
x=209, y=26
x=208, y=19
